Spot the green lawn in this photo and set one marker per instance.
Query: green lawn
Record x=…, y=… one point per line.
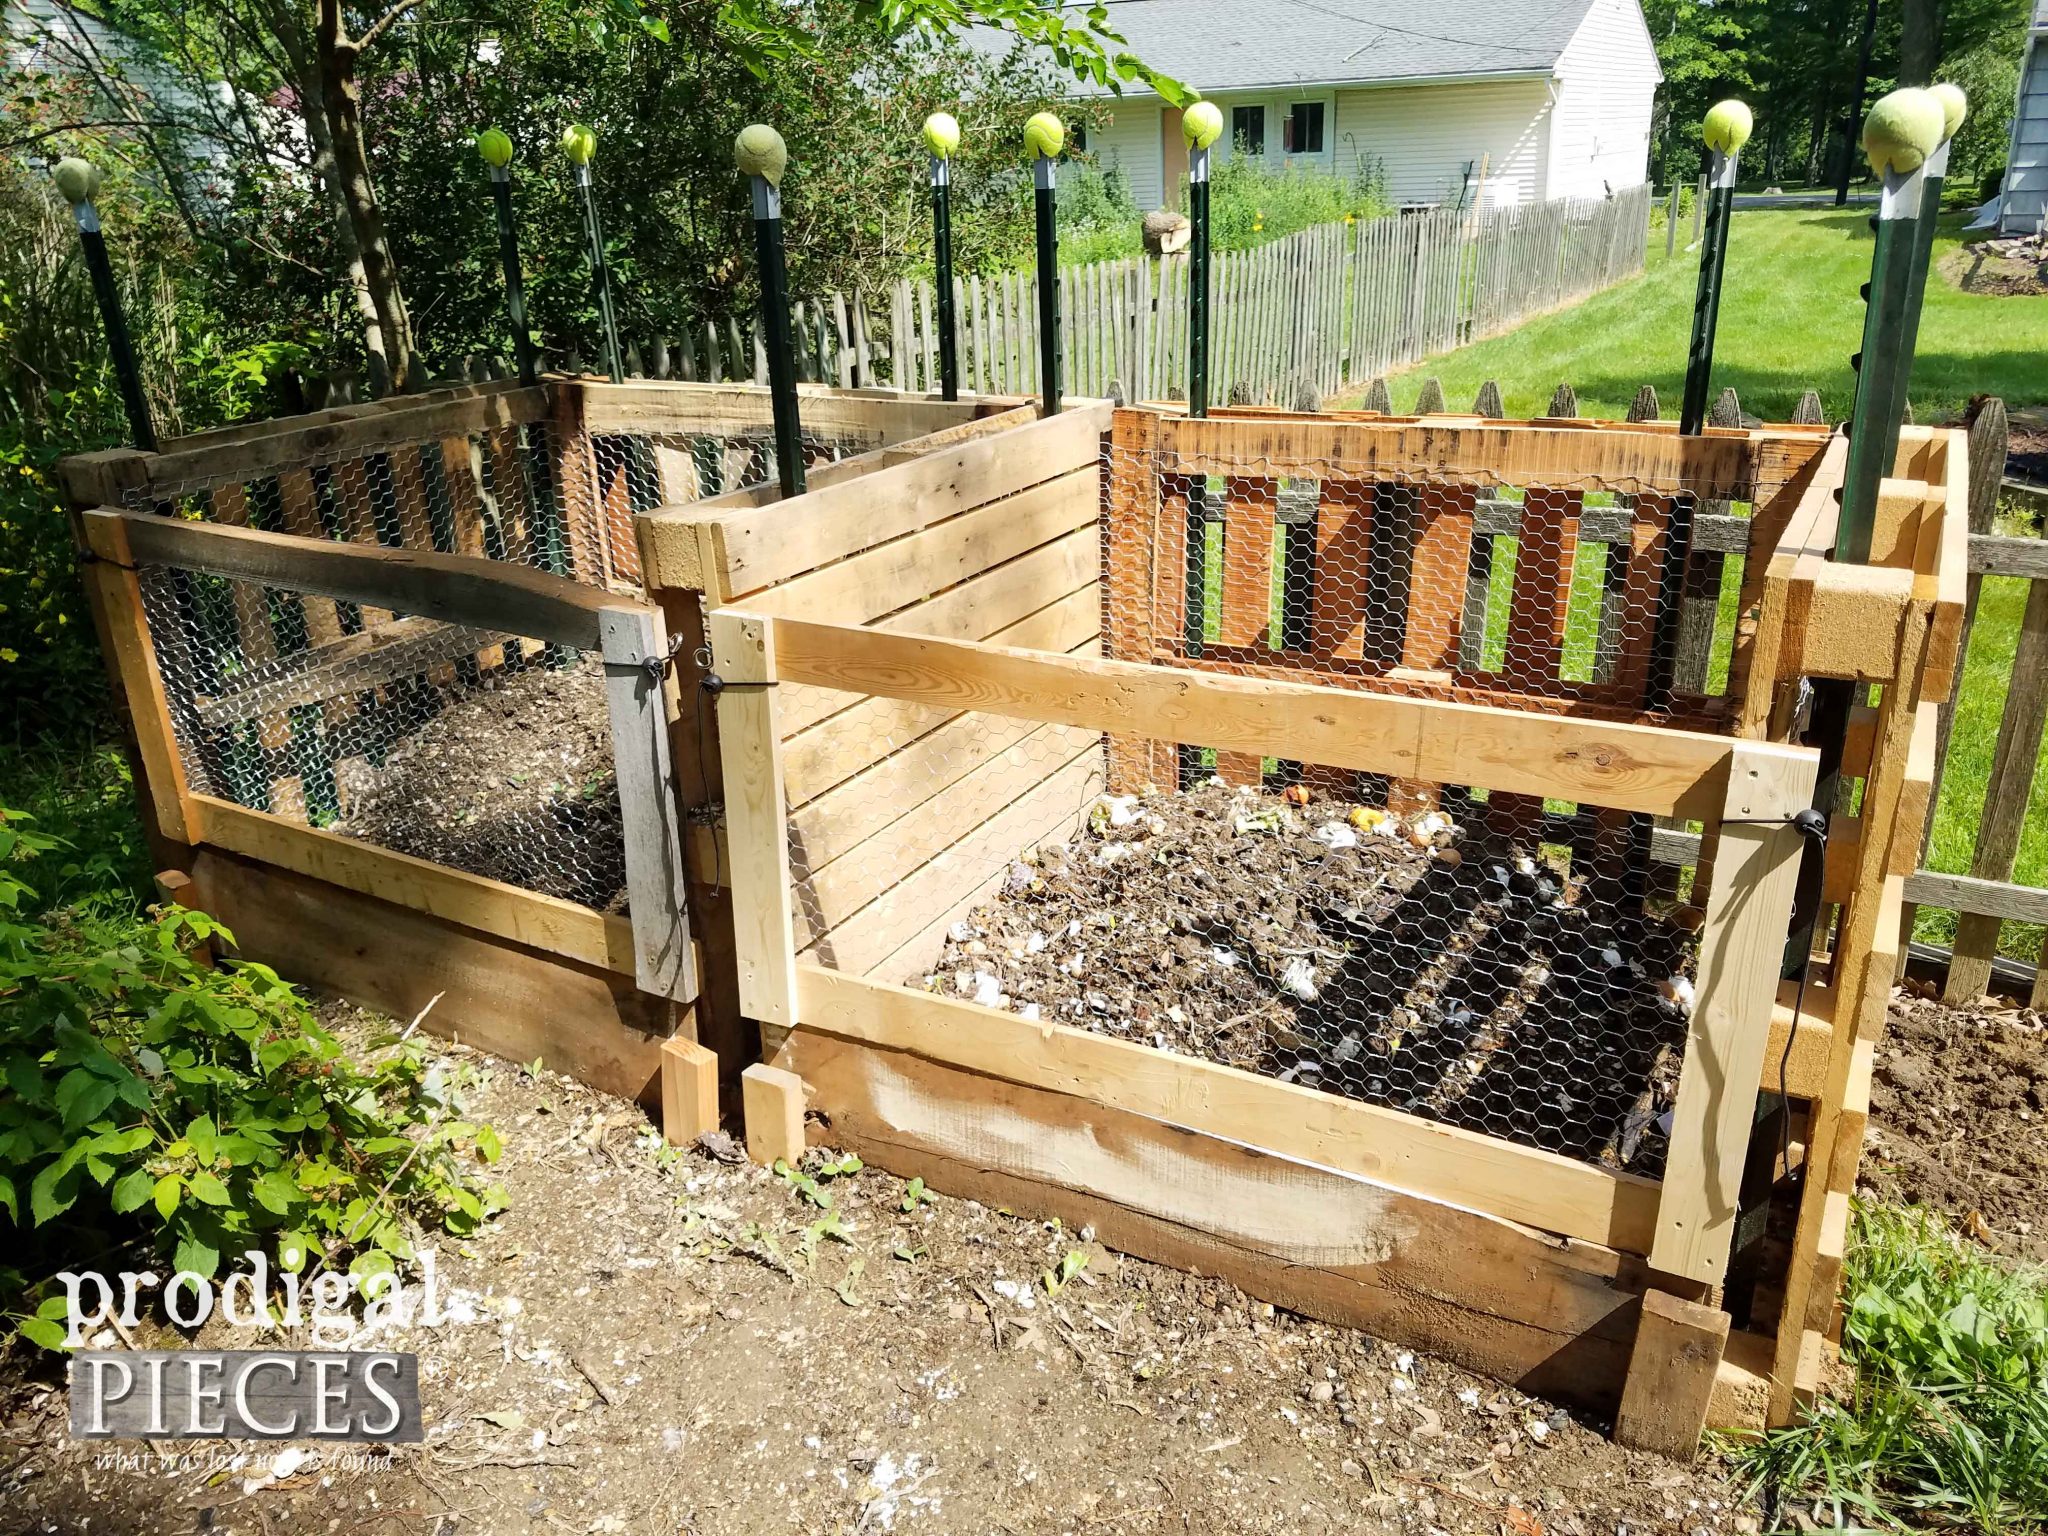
x=1791, y=315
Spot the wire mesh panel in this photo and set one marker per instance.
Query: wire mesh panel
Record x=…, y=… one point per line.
x=543, y=493
x=1461, y=585
x=1495, y=961
x=485, y=751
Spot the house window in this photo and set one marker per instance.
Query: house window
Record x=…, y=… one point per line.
x=1304, y=129
x=1077, y=139
x=1248, y=130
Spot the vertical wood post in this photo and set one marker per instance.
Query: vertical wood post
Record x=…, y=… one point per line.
x=1737, y=986
x=1671, y=1371
x=635, y=658
x=773, y=1100
x=756, y=819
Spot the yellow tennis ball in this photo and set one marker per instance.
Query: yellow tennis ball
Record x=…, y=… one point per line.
x=77, y=180
x=1955, y=106
x=1202, y=124
x=759, y=151
x=579, y=143
x=942, y=134
x=1044, y=134
x=1902, y=131
x=1728, y=126
x=495, y=145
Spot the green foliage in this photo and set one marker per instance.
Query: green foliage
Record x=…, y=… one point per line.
x=1253, y=200
x=1948, y=1421
x=1795, y=64
x=205, y=1107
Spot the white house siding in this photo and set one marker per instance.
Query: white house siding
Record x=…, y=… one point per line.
x=1130, y=139
x=2025, y=198
x=1606, y=79
x=1425, y=136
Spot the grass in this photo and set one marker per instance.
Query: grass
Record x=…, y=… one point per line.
x=1791, y=315
x=1947, y=1425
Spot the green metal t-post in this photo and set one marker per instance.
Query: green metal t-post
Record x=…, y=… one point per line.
x=1706, y=307
x=774, y=272
x=1198, y=280
x=942, y=276
x=77, y=180
x=515, y=280
x=600, y=273
x=1042, y=168
x=1932, y=175
x=1885, y=361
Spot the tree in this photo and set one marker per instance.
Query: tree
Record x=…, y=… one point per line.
x=323, y=61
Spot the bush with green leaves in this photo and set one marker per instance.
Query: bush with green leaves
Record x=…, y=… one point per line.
x=202, y=1109
x=1947, y=1425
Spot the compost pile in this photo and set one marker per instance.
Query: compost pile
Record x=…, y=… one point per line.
x=1411, y=962
x=511, y=778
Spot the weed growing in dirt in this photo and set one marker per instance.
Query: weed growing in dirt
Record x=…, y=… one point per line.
x=203, y=1108
x=1948, y=1420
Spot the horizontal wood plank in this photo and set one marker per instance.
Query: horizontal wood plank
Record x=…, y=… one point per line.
x=453, y=895
x=456, y=589
x=1436, y=1162
x=733, y=552
x=1550, y=1317
x=1713, y=467
x=1625, y=767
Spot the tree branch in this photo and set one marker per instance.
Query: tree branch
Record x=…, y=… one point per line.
x=384, y=24
x=97, y=122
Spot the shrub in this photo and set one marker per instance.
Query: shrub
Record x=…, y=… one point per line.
x=1948, y=1420
x=203, y=1108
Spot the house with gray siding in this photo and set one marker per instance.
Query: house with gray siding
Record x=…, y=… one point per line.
x=1499, y=101
x=2024, y=201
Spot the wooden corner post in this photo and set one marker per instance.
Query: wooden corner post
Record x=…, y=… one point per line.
x=756, y=820
x=1741, y=950
x=635, y=657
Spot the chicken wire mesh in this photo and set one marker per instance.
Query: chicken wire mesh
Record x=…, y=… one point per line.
x=485, y=751
x=1567, y=597
x=533, y=494
x=1493, y=961
x=1519, y=966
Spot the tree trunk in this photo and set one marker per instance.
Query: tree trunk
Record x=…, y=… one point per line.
x=1919, y=41
x=313, y=111
x=341, y=99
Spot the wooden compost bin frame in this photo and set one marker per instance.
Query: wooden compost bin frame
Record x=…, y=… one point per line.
x=519, y=973
x=1564, y=1277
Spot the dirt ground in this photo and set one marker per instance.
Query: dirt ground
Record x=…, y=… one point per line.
x=1408, y=961
x=2014, y=267
x=1959, y=1108
x=677, y=1344
x=512, y=779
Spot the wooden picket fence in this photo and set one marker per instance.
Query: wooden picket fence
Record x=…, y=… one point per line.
x=1987, y=897
x=1308, y=315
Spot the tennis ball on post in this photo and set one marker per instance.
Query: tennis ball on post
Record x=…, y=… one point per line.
x=77, y=180
x=495, y=145
x=1955, y=106
x=579, y=143
x=1202, y=124
x=942, y=135
x=1728, y=127
x=1044, y=134
x=1902, y=130
x=759, y=151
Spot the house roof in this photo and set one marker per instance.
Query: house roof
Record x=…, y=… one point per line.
x=1232, y=45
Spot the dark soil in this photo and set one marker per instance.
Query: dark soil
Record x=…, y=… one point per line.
x=2016, y=266
x=1409, y=963
x=511, y=778
x=1959, y=1120
x=661, y=1343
